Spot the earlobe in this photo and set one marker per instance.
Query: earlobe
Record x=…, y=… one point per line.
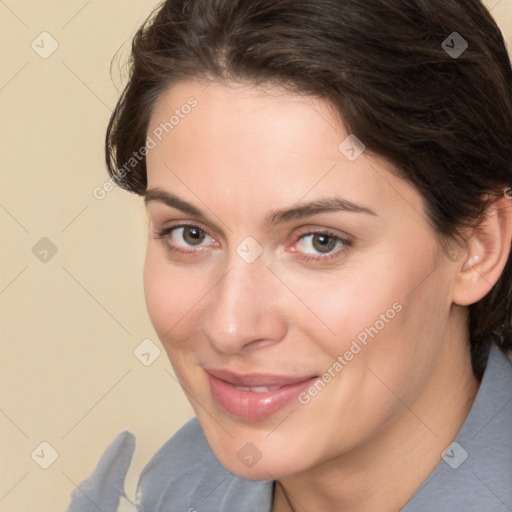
x=487, y=251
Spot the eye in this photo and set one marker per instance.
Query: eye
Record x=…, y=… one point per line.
x=185, y=236
x=321, y=242
x=321, y=245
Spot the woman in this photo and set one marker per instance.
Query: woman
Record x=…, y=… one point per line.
x=328, y=263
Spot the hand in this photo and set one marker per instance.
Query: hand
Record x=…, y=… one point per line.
x=104, y=489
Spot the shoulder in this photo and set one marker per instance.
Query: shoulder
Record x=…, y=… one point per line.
x=184, y=474
x=185, y=450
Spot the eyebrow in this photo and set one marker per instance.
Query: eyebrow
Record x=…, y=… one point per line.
x=323, y=205
x=160, y=196
x=300, y=211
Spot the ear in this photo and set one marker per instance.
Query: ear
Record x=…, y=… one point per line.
x=487, y=251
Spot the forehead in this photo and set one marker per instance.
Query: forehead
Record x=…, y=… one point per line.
x=266, y=146
x=248, y=114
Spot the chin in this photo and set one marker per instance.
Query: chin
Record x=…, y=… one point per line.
x=247, y=455
x=261, y=470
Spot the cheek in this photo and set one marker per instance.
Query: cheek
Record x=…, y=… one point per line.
x=401, y=348
x=357, y=304
x=171, y=296
x=385, y=317
x=156, y=291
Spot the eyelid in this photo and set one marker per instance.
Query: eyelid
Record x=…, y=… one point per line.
x=313, y=230
x=346, y=240
x=159, y=213
x=163, y=232
x=184, y=224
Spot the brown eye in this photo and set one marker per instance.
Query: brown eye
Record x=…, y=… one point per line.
x=185, y=236
x=193, y=235
x=321, y=246
x=324, y=243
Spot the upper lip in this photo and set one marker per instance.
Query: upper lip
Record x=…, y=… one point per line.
x=256, y=379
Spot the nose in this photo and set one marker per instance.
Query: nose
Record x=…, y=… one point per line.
x=244, y=311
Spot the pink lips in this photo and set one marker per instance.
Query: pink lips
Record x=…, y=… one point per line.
x=260, y=395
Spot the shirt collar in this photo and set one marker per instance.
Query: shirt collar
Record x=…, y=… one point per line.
x=475, y=472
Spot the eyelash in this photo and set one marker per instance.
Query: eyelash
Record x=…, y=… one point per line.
x=163, y=233
x=327, y=257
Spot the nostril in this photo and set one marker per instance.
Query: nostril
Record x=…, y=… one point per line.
x=257, y=344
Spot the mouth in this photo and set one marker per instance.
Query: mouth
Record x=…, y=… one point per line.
x=255, y=396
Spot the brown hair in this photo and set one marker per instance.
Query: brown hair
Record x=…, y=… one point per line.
x=387, y=66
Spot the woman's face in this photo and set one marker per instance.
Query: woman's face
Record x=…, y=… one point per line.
x=295, y=284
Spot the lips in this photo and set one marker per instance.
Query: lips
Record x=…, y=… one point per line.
x=255, y=396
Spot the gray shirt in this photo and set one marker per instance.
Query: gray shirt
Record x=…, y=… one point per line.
x=475, y=474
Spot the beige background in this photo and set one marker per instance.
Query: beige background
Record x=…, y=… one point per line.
x=70, y=323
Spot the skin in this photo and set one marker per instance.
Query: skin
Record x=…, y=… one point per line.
x=369, y=439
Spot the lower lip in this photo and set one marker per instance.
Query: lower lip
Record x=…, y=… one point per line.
x=255, y=406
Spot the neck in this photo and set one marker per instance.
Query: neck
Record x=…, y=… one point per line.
x=384, y=474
